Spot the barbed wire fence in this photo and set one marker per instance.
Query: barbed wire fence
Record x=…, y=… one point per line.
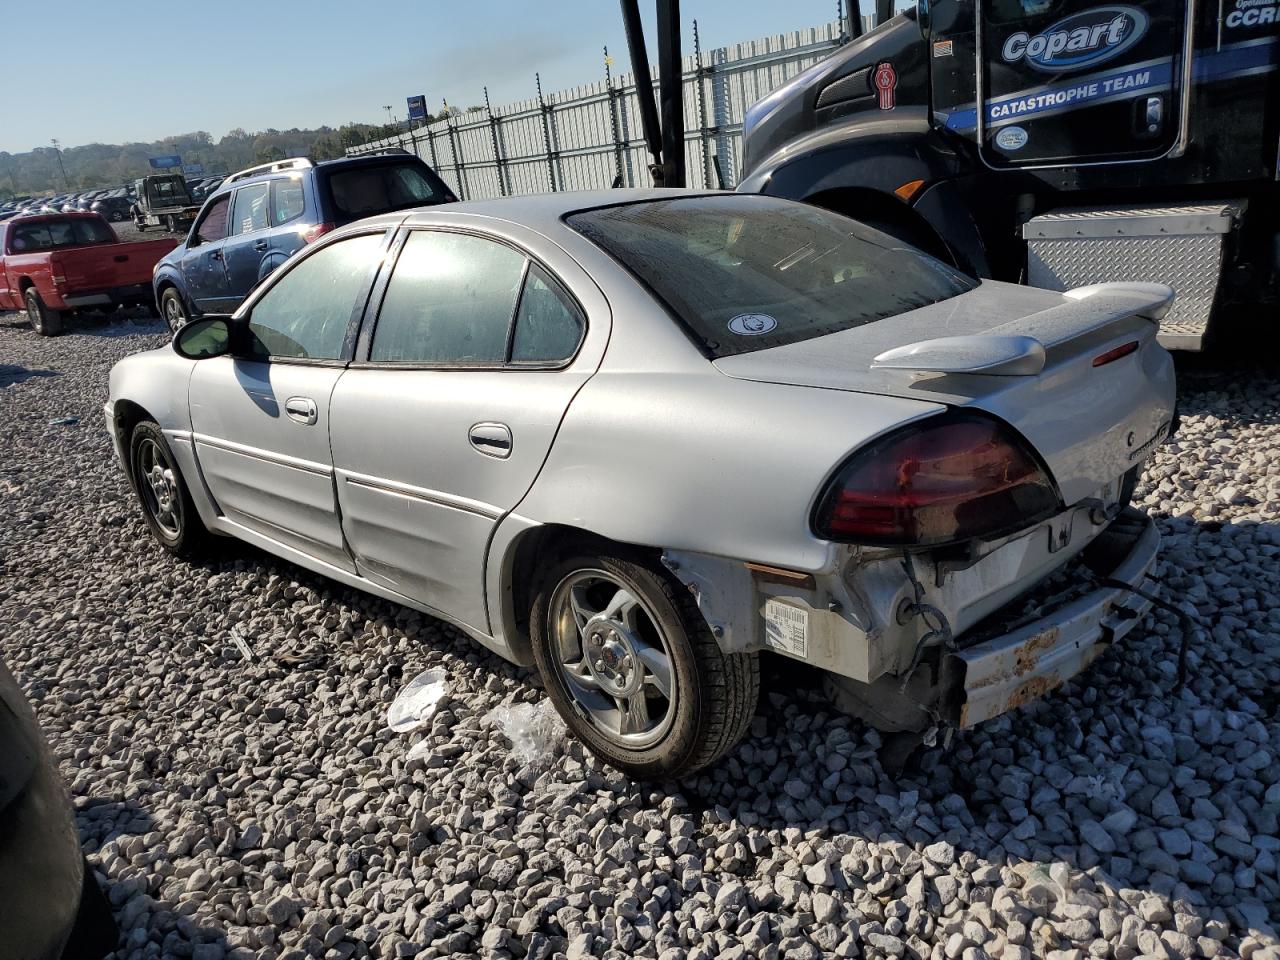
x=590, y=136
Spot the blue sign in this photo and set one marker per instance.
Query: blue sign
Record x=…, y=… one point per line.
x=1080, y=40
x=418, y=107
x=165, y=163
x=193, y=168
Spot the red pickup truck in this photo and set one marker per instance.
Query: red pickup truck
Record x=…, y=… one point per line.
x=53, y=263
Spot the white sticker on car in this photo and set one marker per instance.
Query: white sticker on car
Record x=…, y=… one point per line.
x=786, y=628
x=752, y=324
x=1011, y=138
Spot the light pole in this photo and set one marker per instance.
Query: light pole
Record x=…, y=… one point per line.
x=66, y=181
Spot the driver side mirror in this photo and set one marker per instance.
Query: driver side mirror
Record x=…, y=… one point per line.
x=210, y=336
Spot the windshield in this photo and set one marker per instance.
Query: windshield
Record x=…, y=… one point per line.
x=365, y=191
x=746, y=273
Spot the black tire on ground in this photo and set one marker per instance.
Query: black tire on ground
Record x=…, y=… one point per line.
x=714, y=693
x=163, y=495
x=116, y=216
x=44, y=320
x=173, y=309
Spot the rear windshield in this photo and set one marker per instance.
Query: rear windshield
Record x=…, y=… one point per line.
x=51, y=234
x=365, y=191
x=746, y=273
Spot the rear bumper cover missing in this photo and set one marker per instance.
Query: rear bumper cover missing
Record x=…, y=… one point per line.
x=1008, y=671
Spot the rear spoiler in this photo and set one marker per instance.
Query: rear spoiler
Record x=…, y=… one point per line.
x=1017, y=348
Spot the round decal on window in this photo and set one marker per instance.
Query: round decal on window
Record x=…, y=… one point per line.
x=752, y=324
x=1011, y=138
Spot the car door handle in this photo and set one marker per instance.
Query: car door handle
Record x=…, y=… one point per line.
x=215, y=255
x=492, y=439
x=260, y=245
x=302, y=409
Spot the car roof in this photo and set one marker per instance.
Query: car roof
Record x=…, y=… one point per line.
x=545, y=211
x=71, y=214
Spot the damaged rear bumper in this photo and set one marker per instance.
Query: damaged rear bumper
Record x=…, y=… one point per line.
x=1007, y=671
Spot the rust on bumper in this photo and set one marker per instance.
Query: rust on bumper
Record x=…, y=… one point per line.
x=1009, y=671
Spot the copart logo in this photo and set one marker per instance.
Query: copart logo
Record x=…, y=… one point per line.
x=1080, y=40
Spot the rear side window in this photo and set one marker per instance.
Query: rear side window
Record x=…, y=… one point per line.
x=287, y=201
x=249, y=210
x=88, y=230
x=548, y=324
x=450, y=300
x=745, y=273
x=365, y=191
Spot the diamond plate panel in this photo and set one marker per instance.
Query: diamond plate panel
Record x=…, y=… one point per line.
x=1189, y=264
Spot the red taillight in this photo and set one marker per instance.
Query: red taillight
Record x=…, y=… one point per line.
x=954, y=477
x=1102, y=359
x=316, y=231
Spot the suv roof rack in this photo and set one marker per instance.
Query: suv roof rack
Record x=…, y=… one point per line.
x=381, y=151
x=293, y=163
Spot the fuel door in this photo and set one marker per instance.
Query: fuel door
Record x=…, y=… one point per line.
x=1073, y=81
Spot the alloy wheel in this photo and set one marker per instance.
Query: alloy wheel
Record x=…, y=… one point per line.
x=174, y=315
x=158, y=484
x=613, y=657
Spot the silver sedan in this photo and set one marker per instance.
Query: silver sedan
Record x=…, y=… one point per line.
x=645, y=438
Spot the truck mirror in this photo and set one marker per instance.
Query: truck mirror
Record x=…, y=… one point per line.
x=923, y=18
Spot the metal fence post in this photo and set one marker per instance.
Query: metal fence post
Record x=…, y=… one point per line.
x=703, y=133
x=721, y=110
x=613, y=119
x=431, y=142
x=498, y=162
x=457, y=156
x=546, y=132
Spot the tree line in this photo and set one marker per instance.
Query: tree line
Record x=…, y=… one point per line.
x=112, y=164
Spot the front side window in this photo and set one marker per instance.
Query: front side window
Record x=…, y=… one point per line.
x=214, y=224
x=249, y=212
x=287, y=201
x=745, y=273
x=450, y=300
x=306, y=315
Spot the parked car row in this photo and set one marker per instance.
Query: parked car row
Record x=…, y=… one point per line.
x=116, y=204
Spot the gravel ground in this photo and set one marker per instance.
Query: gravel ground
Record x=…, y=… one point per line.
x=261, y=808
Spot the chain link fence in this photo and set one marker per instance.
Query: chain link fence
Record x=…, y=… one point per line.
x=591, y=137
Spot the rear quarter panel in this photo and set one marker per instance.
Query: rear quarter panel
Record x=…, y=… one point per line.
x=702, y=462
x=19, y=268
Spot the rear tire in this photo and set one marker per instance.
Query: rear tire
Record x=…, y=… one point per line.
x=44, y=320
x=163, y=494
x=633, y=668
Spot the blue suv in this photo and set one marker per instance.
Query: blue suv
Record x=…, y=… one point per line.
x=261, y=216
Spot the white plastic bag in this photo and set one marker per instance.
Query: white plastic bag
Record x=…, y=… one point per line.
x=417, y=702
x=534, y=729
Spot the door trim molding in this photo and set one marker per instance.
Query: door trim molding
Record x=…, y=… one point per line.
x=436, y=497
x=256, y=453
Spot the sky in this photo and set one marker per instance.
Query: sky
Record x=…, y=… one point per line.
x=138, y=70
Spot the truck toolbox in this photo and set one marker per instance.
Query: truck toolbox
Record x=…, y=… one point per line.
x=1180, y=246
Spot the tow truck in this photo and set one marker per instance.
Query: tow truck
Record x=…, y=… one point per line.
x=164, y=200
x=1058, y=143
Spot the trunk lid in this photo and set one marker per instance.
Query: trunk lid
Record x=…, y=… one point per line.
x=1024, y=355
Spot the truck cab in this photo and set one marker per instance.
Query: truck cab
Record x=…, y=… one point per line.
x=1060, y=142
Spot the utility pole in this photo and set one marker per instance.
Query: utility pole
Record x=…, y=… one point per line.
x=66, y=181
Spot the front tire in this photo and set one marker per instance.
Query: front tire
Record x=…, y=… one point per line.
x=633, y=668
x=162, y=492
x=44, y=320
x=173, y=309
